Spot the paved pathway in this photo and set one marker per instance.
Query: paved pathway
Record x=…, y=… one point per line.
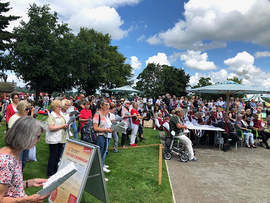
x=235, y=176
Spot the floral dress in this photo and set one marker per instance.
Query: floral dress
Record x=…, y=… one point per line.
x=11, y=174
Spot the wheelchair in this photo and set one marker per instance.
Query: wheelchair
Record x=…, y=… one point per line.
x=172, y=146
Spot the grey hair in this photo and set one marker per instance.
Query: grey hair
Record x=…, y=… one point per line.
x=22, y=105
x=101, y=102
x=23, y=133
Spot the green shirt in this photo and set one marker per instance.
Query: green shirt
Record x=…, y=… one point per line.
x=173, y=121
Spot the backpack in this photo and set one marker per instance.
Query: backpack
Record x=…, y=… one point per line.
x=87, y=132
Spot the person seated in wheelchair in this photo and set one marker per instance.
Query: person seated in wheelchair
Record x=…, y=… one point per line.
x=177, y=130
x=256, y=124
x=229, y=132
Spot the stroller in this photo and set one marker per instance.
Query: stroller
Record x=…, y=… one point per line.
x=173, y=146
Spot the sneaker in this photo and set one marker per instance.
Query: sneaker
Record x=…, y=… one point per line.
x=154, y=128
x=106, y=170
x=116, y=151
x=106, y=166
x=194, y=159
x=106, y=179
x=133, y=145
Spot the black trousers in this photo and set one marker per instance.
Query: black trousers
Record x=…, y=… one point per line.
x=124, y=137
x=265, y=137
x=231, y=136
x=55, y=154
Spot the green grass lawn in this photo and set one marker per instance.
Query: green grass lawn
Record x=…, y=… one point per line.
x=133, y=176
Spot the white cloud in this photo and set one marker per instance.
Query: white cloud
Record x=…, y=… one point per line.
x=242, y=63
x=209, y=23
x=259, y=54
x=160, y=58
x=154, y=40
x=195, y=79
x=135, y=63
x=197, y=61
x=103, y=19
x=13, y=78
x=98, y=14
x=141, y=38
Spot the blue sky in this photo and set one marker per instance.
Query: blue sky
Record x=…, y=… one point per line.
x=209, y=38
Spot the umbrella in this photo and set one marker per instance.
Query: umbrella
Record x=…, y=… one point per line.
x=257, y=98
x=228, y=88
x=125, y=89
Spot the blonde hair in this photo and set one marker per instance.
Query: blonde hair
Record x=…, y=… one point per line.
x=65, y=101
x=22, y=105
x=55, y=103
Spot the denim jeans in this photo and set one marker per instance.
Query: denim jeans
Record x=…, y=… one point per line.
x=45, y=104
x=24, y=157
x=106, y=150
x=74, y=128
x=248, y=136
x=102, y=143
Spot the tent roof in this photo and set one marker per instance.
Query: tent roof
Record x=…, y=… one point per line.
x=230, y=87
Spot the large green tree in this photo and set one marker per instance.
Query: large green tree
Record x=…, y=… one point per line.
x=156, y=80
x=102, y=65
x=42, y=52
x=5, y=36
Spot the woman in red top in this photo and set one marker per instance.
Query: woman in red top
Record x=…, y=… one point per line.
x=85, y=114
x=12, y=108
x=135, y=124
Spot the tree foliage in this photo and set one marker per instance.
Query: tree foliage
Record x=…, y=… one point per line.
x=5, y=36
x=42, y=51
x=156, y=80
x=235, y=79
x=102, y=64
x=203, y=82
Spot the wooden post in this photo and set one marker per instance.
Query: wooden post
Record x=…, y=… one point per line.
x=160, y=164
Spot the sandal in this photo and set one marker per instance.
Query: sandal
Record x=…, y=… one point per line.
x=253, y=146
x=247, y=146
x=124, y=147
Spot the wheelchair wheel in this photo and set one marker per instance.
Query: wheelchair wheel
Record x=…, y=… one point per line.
x=167, y=156
x=184, y=157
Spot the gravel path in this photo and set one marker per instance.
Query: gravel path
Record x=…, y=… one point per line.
x=241, y=175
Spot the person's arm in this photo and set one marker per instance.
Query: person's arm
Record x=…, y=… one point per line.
x=251, y=125
x=239, y=127
x=157, y=123
x=101, y=130
x=179, y=126
x=27, y=199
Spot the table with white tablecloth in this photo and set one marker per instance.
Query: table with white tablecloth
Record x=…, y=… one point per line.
x=191, y=126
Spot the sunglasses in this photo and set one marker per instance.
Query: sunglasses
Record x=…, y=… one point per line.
x=38, y=137
x=27, y=109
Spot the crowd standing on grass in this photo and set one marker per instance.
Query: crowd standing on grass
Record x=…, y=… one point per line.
x=166, y=112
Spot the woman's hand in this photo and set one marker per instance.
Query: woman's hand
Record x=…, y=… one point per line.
x=109, y=130
x=37, y=182
x=37, y=198
x=65, y=126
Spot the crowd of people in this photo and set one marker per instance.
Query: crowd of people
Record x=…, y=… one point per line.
x=171, y=114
